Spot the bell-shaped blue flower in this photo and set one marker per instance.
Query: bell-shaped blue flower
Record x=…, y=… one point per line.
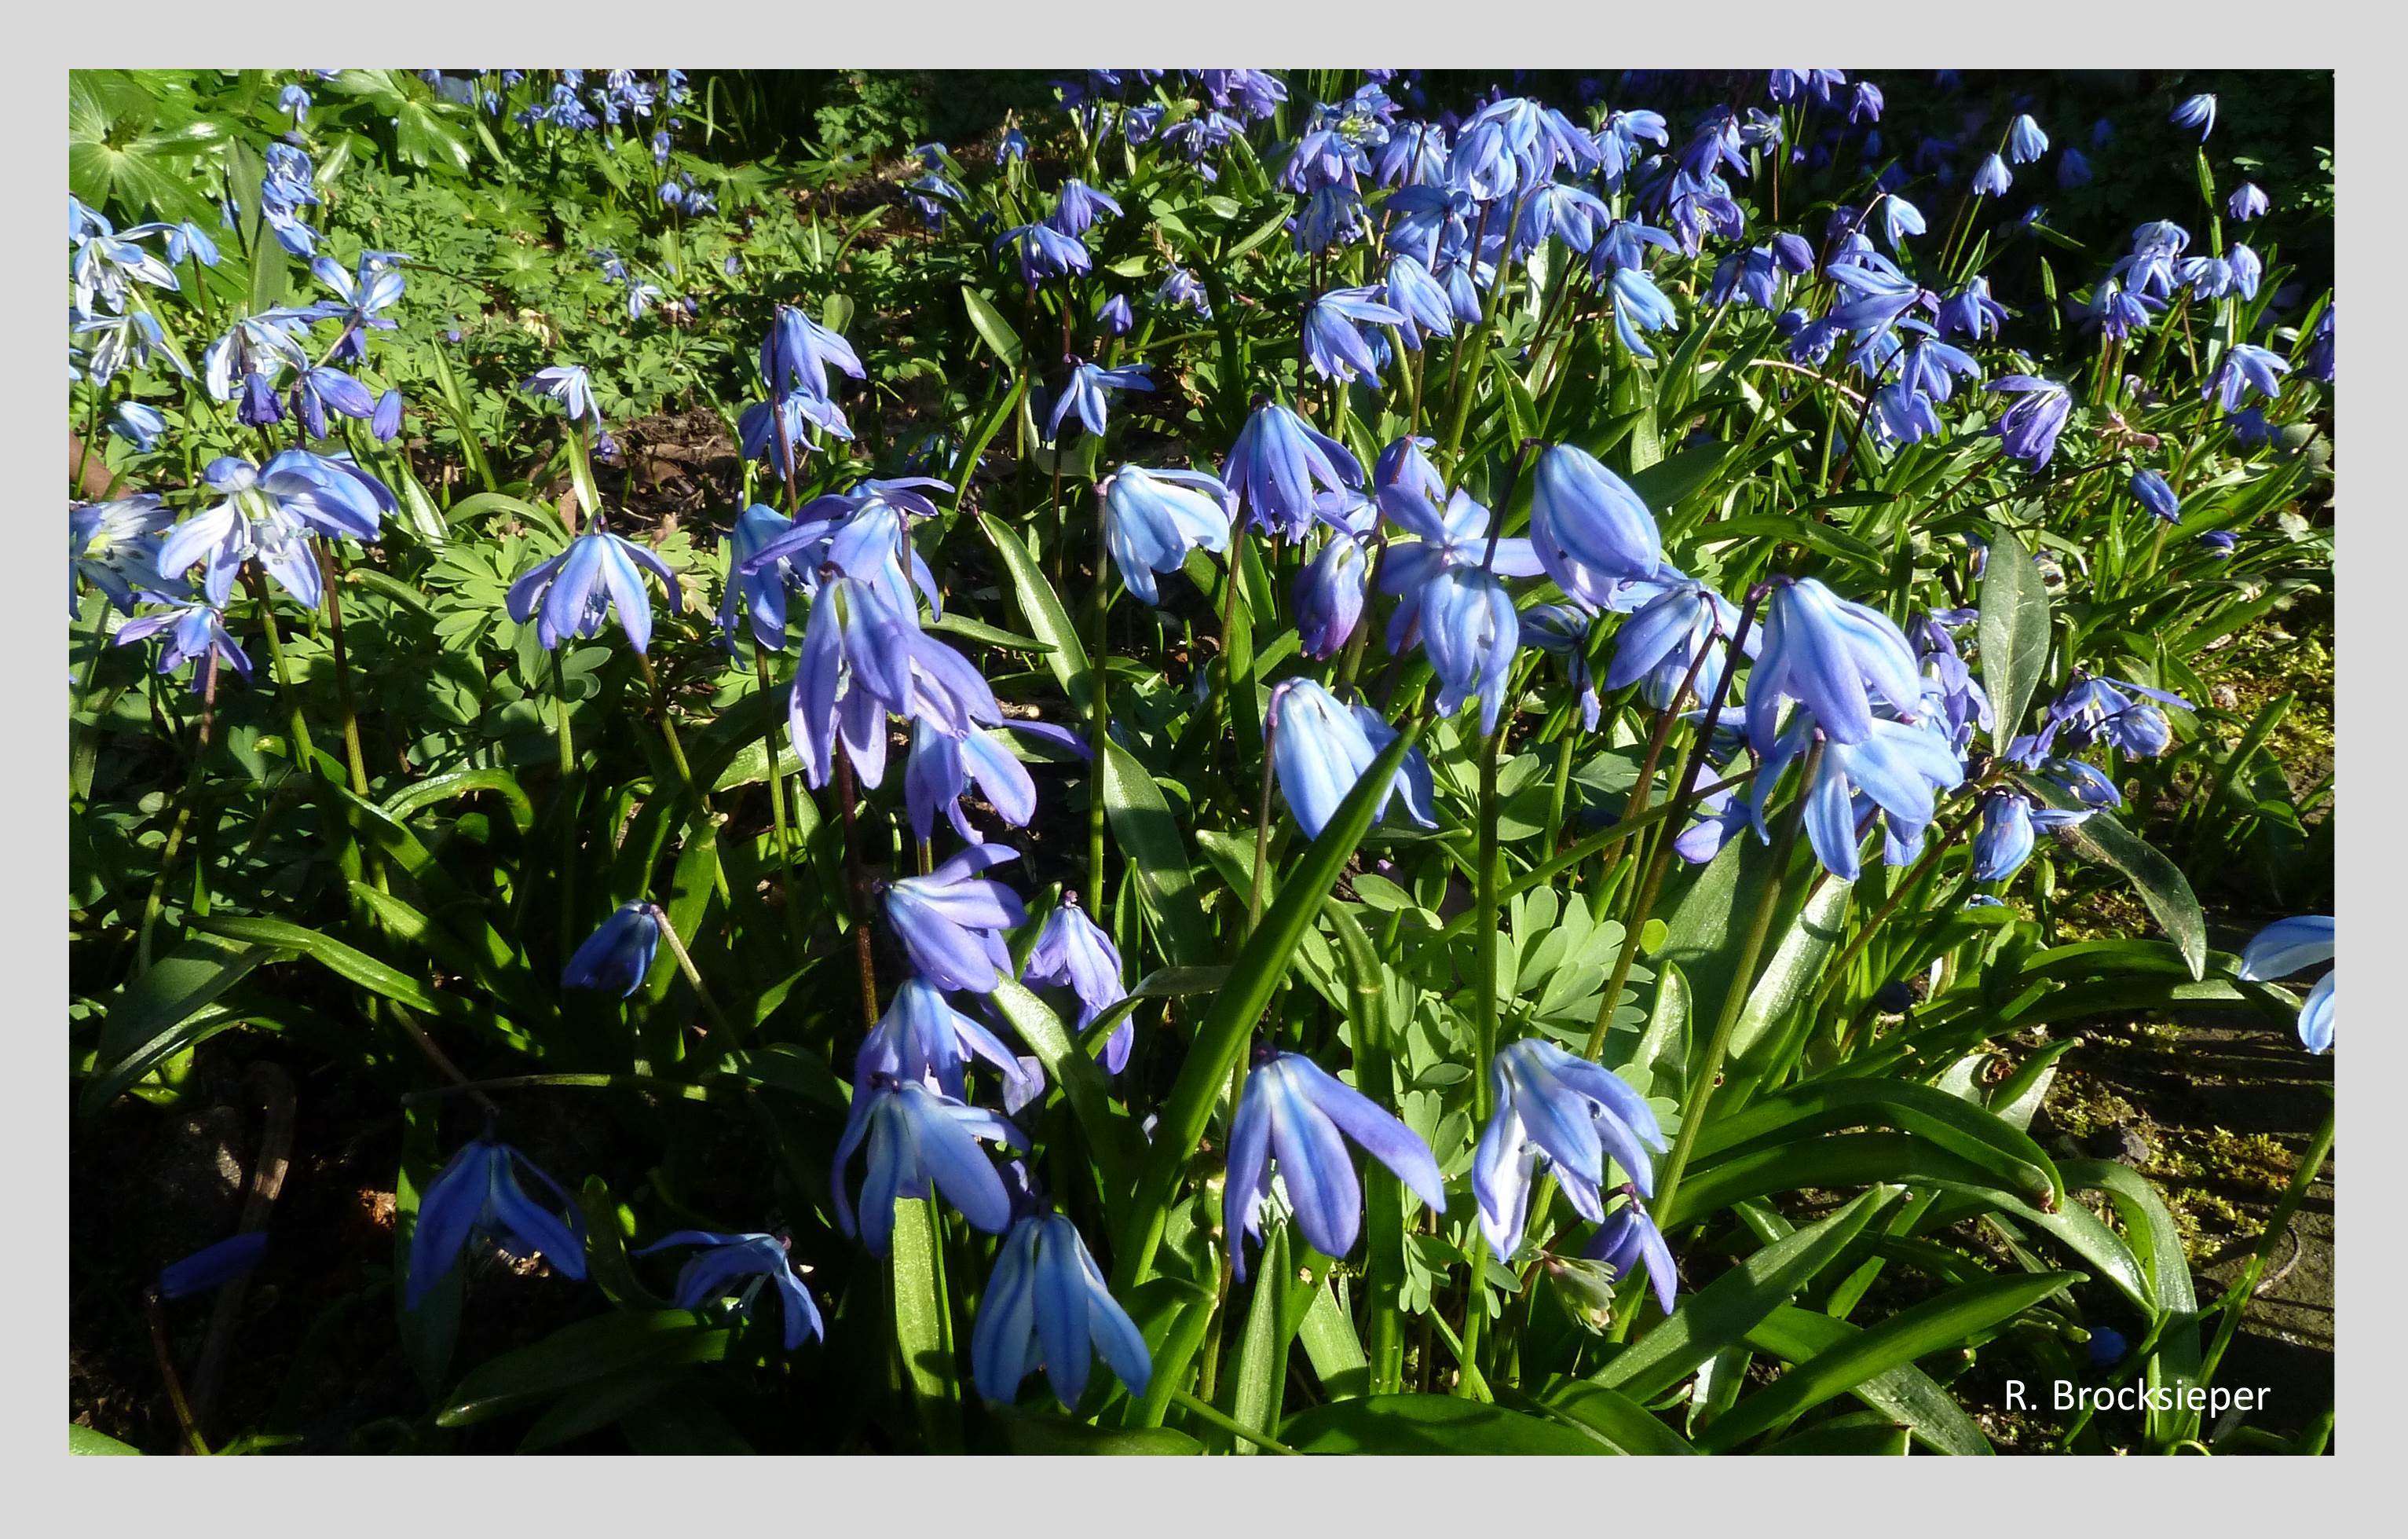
x=195, y=631
x=1896, y=765
x=568, y=385
x=798, y=353
x=1553, y=1108
x=709, y=1275
x=615, y=958
x=1333, y=344
x=2029, y=426
x=1320, y=749
x=923, y=1038
x=941, y=768
x=1588, y=528
x=2005, y=839
x=1153, y=518
x=1329, y=594
x=1833, y=655
x=2286, y=946
x=919, y=1139
x=951, y=921
x=1047, y=1306
x=1296, y=1114
x=573, y=594
x=2151, y=491
x=2026, y=143
x=478, y=1194
x=1074, y=953
x=2249, y=201
x=1629, y=1238
x=1277, y=461
x=2195, y=112
x=1083, y=393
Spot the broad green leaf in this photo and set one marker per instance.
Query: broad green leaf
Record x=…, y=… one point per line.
x=157, y=1014
x=1048, y=621
x=923, y=1332
x=1911, y=1333
x=2006, y=1155
x=1904, y=1392
x=1830, y=1160
x=1328, y=1339
x=992, y=328
x=1429, y=1424
x=1722, y=1313
x=359, y=967
x=1260, y=1378
x=1149, y=840
x=1036, y=1432
x=1082, y=1082
x=1611, y=1416
x=84, y=1441
x=2159, y=880
x=1859, y=1432
x=1789, y=979
x=577, y=1356
x=2013, y=633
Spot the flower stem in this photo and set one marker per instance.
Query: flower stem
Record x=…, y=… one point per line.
x=778, y=793
x=566, y=798
x=685, y=964
x=1701, y=1092
x=1098, y=670
x=857, y=891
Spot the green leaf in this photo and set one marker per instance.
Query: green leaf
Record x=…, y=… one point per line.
x=357, y=966
x=1032, y=1433
x=1906, y=1392
x=1613, y=1417
x=1836, y=543
x=1046, y=617
x=2014, y=634
x=923, y=1331
x=1261, y=1375
x=1859, y=1432
x=1429, y=1424
x=2159, y=880
x=1788, y=980
x=161, y=1012
x=992, y=328
x=1722, y=1313
x=1911, y=1333
x=577, y=1356
x=1832, y=1160
x=84, y=1441
x=2005, y=1155
x=1148, y=836
x=957, y=623
x=1261, y=964
x=1082, y=1082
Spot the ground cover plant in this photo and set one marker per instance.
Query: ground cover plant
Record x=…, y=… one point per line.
x=1266, y=762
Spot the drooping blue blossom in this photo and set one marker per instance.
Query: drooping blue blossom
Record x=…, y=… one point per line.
x=1153, y=518
x=2094, y=709
x=1640, y=307
x=1900, y=219
x=1972, y=310
x=2029, y=426
x=1896, y=765
x=2005, y=839
x=798, y=353
x=919, y=1139
x=268, y=516
x=2284, y=947
x=1073, y=952
x=1296, y=1114
x=1047, y=1306
x=2244, y=369
x=709, y=1275
x=1657, y=647
x=212, y=1267
x=922, y=1040
x=1077, y=205
x=2026, y=143
x=1044, y=252
x=1275, y=463
x=941, y=768
x=951, y=921
x=138, y=423
x=1083, y=393
x=1333, y=344
x=2072, y=168
x=1555, y=1110
x=1628, y=1239
x=1588, y=528
x=1991, y=179
x=1329, y=594
x=323, y=389
x=1833, y=657
x=1182, y=288
x=2150, y=490
x=572, y=594
x=1320, y=749
x=1562, y=631
x=195, y=631
x=115, y=546
x=2249, y=201
x=568, y=385
x=615, y=958
x=478, y=1195
x=1116, y=319
x=2195, y=112
x=2317, y=363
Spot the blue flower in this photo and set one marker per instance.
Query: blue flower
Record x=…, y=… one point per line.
x=1320, y=749
x=1972, y=310
x=116, y=545
x=1588, y=528
x=1275, y=463
x=615, y=958
x=1078, y=206
x=1555, y=1109
x=1072, y=952
x=2006, y=839
x=951, y=921
x=268, y=516
x=1658, y=645
x=1470, y=631
x=1116, y=319
x=710, y=1275
x=2244, y=369
x=2152, y=492
x=1833, y=657
x=138, y=423
x=918, y=1138
x=573, y=593
x=320, y=390
x=1332, y=345
x=2249, y=201
x=1896, y=766
x=2286, y=946
x=1900, y=219
x=798, y=353
x=1329, y=593
x=941, y=769
x=1153, y=518
x=1047, y=1306
x=568, y=385
x=385, y=423
x=2195, y=112
x=2028, y=428
x=1638, y=306
x=1296, y=1113
x=1184, y=288
x=2072, y=168
x=762, y=591
x=1084, y=392
x=1991, y=179
x=1628, y=1239
x=1562, y=631
x=1044, y=252
x=1866, y=104
x=2026, y=143
x=479, y=1195
x=212, y=1267
x=2093, y=708
x=922, y=1040
x=194, y=631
